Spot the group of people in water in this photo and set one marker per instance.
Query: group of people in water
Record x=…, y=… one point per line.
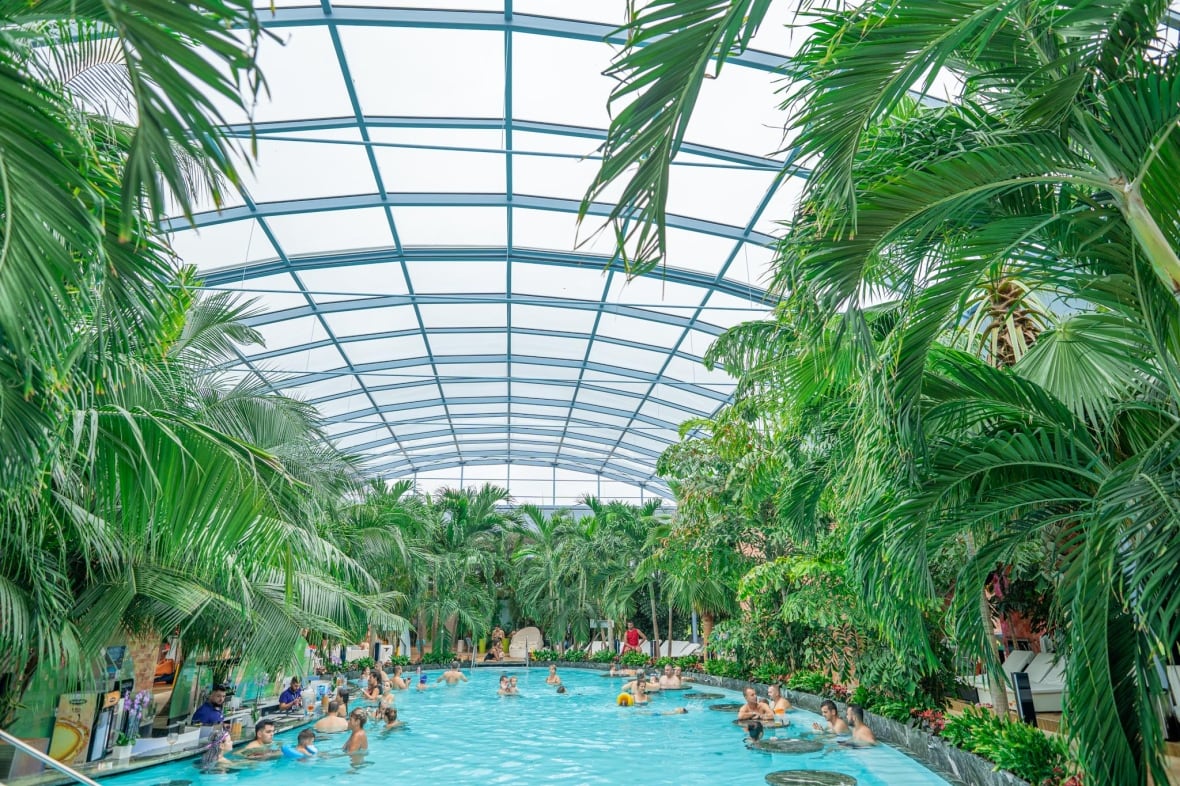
x=756, y=714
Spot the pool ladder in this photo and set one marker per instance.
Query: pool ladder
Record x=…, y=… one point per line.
x=29, y=750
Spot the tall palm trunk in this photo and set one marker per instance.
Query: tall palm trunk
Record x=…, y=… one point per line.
x=706, y=630
x=670, y=636
x=655, y=620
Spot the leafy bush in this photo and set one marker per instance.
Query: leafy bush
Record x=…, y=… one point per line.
x=575, y=656
x=684, y=662
x=398, y=660
x=544, y=654
x=602, y=656
x=360, y=664
x=815, y=682
x=769, y=673
x=894, y=710
x=441, y=656
x=633, y=659
x=725, y=668
x=1023, y=750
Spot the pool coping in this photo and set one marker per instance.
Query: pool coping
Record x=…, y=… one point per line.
x=956, y=765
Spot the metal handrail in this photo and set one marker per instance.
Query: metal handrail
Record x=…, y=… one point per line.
x=25, y=748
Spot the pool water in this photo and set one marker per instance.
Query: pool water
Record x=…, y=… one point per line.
x=466, y=734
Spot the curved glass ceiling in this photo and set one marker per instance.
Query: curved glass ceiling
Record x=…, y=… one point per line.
x=409, y=231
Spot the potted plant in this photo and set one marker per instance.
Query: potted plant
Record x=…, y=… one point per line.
x=123, y=746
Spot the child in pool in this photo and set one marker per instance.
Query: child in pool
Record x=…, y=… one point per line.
x=306, y=747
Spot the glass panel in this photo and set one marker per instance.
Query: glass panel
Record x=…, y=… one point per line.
x=556, y=176
x=682, y=397
x=612, y=400
x=470, y=372
x=302, y=74
x=697, y=342
x=656, y=293
x=697, y=251
x=493, y=343
x=781, y=207
x=740, y=93
x=335, y=231
x=562, y=319
x=556, y=229
x=363, y=438
x=222, y=245
x=345, y=383
x=570, y=349
x=452, y=226
x=357, y=402
x=398, y=376
x=578, y=283
x=372, y=320
x=693, y=191
x=403, y=395
x=286, y=170
x=405, y=170
x=385, y=349
x=692, y=371
x=646, y=331
x=667, y=413
x=533, y=390
x=560, y=80
x=627, y=357
x=289, y=332
x=270, y=291
x=463, y=315
x=538, y=371
x=343, y=282
x=465, y=68
x=308, y=360
x=474, y=389
x=753, y=265
x=423, y=413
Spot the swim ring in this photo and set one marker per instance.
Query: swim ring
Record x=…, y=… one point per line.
x=625, y=700
x=292, y=752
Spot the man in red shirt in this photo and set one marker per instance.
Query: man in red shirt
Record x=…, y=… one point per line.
x=632, y=638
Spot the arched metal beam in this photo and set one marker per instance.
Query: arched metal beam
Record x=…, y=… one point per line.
x=312, y=125
x=236, y=275
x=390, y=365
x=409, y=439
x=481, y=20
x=528, y=400
x=459, y=418
x=403, y=469
x=395, y=200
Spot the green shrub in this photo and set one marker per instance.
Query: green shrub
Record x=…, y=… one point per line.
x=814, y=682
x=602, y=656
x=398, y=660
x=684, y=662
x=545, y=654
x=1025, y=751
x=725, y=668
x=892, y=709
x=441, y=656
x=769, y=673
x=575, y=656
x=633, y=659
x=360, y=664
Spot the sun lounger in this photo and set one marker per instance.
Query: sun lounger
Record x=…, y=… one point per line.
x=1173, y=674
x=1016, y=661
x=1046, y=677
x=680, y=649
x=523, y=642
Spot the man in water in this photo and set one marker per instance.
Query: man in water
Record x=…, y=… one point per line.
x=292, y=697
x=668, y=679
x=778, y=705
x=553, y=679
x=332, y=722
x=262, y=746
x=358, y=741
x=452, y=675
x=632, y=638
x=210, y=713
x=755, y=708
x=862, y=735
x=835, y=724
x=398, y=682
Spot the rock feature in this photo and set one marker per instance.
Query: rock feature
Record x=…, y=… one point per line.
x=788, y=745
x=726, y=707
x=809, y=778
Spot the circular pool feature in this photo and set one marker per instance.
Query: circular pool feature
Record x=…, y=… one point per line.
x=702, y=695
x=727, y=706
x=765, y=724
x=465, y=733
x=788, y=745
x=809, y=778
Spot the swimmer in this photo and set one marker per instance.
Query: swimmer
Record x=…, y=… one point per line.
x=334, y=722
x=862, y=735
x=391, y=721
x=553, y=679
x=560, y=688
x=779, y=705
x=421, y=680
x=262, y=746
x=452, y=675
x=835, y=724
x=398, y=682
x=678, y=675
x=677, y=711
x=668, y=679
x=753, y=732
x=358, y=741
x=306, y=747
x=372, y=691
x=512, y=687
x=639, y=691
x=219, y=747
x=387, y=698
x=755, y=708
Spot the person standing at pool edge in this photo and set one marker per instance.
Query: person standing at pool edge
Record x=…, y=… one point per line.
x=632, y=638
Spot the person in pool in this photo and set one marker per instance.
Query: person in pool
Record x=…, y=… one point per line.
x=358, y=741
x=639, y=691
x=387, y=698
x=262, y=746
x=372, y=691
x=755, y=708
x=778, y=705
x=216, y=752
x=421, y=680
x=397, y=680
x=753, y=732
x=553, y=679
x=862, y=735
x=835, y=724
x=668, y=679
x=389, y=716
x=452, y=675
x=678, y=675
x=334, y=722
x=305, y=749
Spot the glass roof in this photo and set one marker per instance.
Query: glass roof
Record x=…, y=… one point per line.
x=409, y=229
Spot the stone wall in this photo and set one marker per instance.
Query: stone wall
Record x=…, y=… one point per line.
x=956, y=765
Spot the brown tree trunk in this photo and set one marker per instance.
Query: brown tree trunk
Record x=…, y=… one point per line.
x=670, y=637
x=706, y=629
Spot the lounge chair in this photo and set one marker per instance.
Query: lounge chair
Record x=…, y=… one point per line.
x=1016, y=661
x=680, y=649
x=1046, y=678
x=523, y=642
x=1173, y=675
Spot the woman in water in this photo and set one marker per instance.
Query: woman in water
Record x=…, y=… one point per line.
x=390, y=718
x=553, y=679
x=358, y=741
x=372, y=691
x=219, y=747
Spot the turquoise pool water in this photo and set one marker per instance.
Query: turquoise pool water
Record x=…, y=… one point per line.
x=466, y=734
